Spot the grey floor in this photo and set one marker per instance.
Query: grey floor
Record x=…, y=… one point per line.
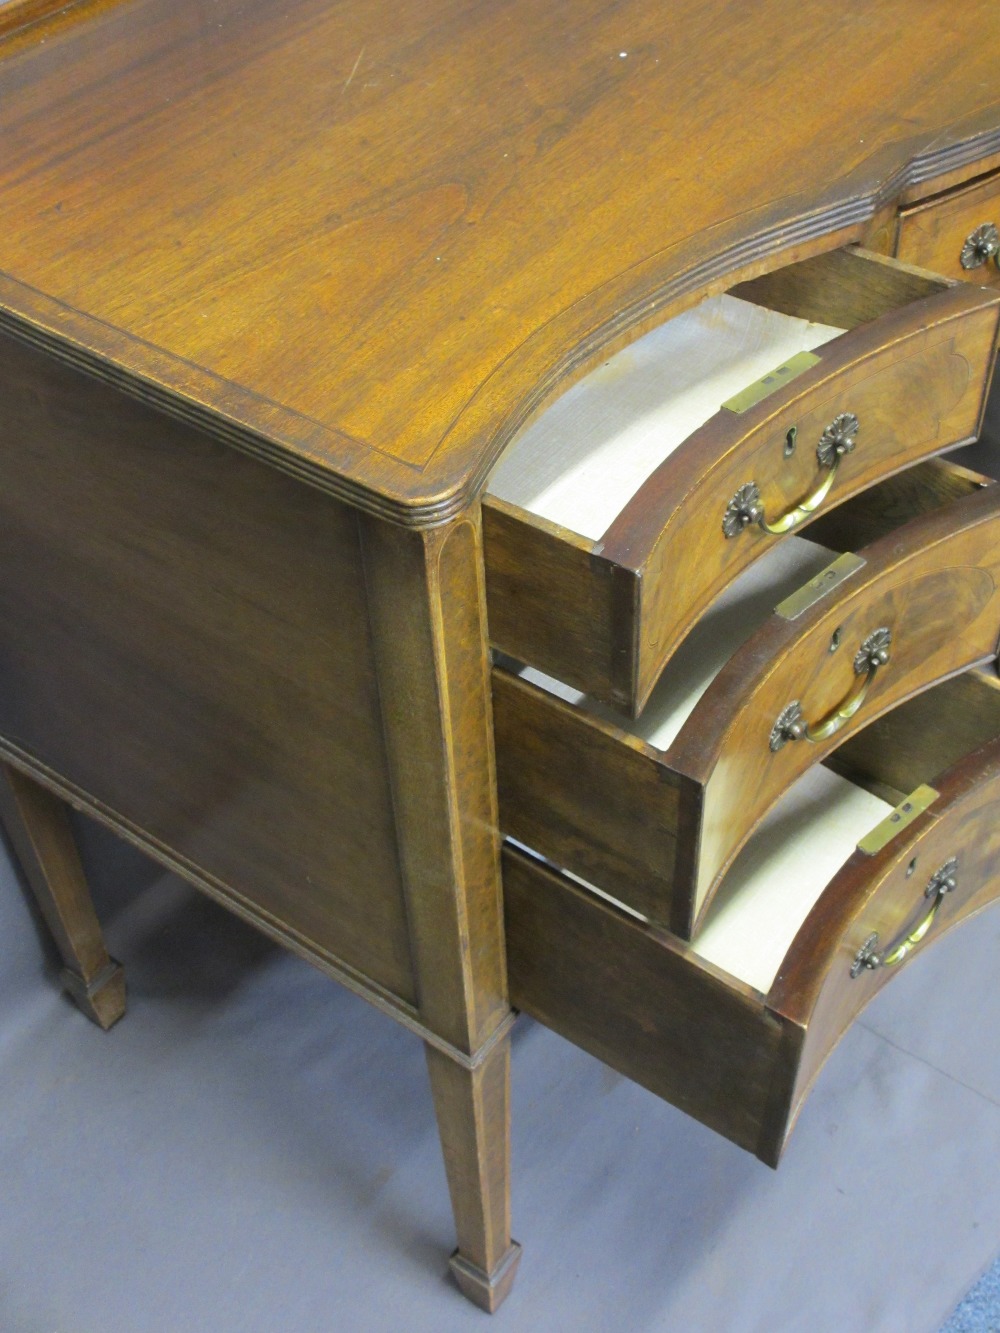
x=253, y=1149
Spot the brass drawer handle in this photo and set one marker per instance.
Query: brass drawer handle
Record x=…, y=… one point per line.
x=791, y=724
x=942, y=882
x=745, y=507
x=981, y=246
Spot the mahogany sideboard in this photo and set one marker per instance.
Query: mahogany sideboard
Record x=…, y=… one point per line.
x=279, y=285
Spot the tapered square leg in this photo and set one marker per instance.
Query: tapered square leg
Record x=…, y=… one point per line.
x=473, y=1114
x=39, y=830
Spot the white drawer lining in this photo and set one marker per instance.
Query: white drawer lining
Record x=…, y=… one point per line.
x=781, y=873
x=585, y=457
x=741, y=609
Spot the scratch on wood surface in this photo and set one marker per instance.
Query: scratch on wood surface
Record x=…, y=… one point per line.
x=353, y=72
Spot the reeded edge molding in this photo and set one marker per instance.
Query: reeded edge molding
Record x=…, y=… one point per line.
x=356, y=982
x=847, y=215
x=323, y=460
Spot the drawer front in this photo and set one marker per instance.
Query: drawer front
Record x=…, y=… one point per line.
x=957, y=234
x=740, y=1062
x=606, y=617
x=657, y=830
x=928, y=595
x=880, y=911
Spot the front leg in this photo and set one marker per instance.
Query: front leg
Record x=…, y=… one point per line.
x=428, y=620
x=473, y=1115
x=39, y=830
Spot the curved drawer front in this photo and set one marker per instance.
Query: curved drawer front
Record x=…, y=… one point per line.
x=739, y=1061
x=605, y=616
x=926, y=600
x=880, y=911
x=655, y=822
x=957, y=233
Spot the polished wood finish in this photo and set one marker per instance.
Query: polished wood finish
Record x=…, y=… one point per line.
x=473, y=1112
x=427, y=612
x=639, y=1000
x=587, y=795
x=36, y=823
x=433, y=687
x=935, y=584
x=740, y=1062
x=16, y=15
x=932, y=232
x=884, y=893
x=889, y=504
x=273, y=275
x=184, y=641
x=291, y=759
x=606, y=616
x=923, y=736
x=372, y=243
x=657, y=830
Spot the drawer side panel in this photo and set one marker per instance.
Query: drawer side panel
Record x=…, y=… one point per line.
x=617, y=990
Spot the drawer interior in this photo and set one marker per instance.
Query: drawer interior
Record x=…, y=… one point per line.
x=781, y=873
x=579, y=464
x=734, y=1027
x=604, y=798
x=614, y=520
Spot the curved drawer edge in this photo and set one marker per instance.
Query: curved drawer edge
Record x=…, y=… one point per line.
x=823, y=984
x=933, y=585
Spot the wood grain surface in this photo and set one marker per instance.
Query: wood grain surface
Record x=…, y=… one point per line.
x=638, y=1000
x=915, y=374
x=933, y=584
x=883, y=894
x=657, y=830
x=370, y=241
x=184, y=638
x=741, y=1062
x=932, y=233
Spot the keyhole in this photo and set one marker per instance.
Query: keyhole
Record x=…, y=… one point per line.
x=911, y=867
x=790, y=441
x=835, y=639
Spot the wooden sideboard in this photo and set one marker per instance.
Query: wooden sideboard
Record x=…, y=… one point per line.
x=278, y=287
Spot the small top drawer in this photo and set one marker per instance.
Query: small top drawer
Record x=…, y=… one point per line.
x=622, y=513
x=956, y=233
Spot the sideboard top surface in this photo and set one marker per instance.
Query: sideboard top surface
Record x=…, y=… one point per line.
x=369, y=240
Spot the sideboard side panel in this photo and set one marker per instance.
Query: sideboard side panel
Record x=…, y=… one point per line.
x=184, y=638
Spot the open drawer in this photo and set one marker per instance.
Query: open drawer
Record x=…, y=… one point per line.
x=655, y=810
x=622, y=512
x=956, y=232
x=735, y=1028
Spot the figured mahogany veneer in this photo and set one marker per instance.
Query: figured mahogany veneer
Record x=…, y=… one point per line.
x=371, y=241
x=278, y=284
x=606, y=616
x=739, y=1061
x=657, y=830
x=933, y=232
